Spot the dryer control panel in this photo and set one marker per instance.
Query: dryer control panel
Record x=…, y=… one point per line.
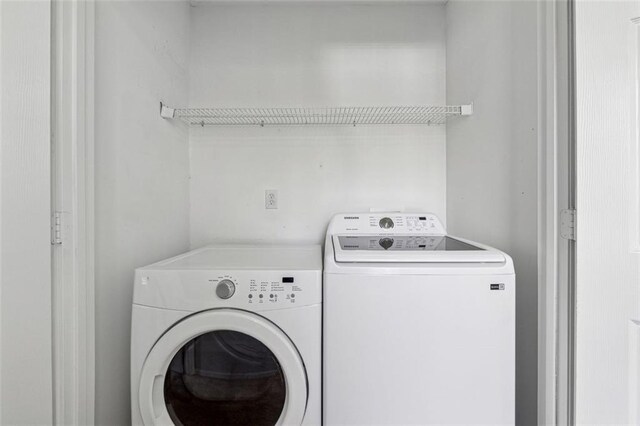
x=387, y=223
x=255, y=278
x=196, y=290
x=261, y=289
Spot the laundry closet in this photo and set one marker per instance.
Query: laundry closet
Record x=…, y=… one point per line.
x=329, y=87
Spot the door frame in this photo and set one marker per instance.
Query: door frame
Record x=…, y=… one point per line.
x=73, y=281
x=557, y=214
x=72, y=105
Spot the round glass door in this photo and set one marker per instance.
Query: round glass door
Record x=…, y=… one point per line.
x=223, y=367
x=227, y=376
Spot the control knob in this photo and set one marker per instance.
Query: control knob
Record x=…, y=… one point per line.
x=225, y=289
x=385, y=243
x=386, y=223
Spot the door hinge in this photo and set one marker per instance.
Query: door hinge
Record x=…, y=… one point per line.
x=568, y=224
x=56, y=228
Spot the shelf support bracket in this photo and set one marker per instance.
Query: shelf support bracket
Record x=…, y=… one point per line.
x=167, y=112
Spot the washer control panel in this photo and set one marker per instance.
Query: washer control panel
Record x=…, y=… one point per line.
x=394, y=223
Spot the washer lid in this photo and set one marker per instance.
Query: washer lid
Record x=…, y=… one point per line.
x=411, y=248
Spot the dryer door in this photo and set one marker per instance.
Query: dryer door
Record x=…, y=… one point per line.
x=223, y=366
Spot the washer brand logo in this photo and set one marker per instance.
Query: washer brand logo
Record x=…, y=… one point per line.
x=499, y=286
x=352, y=217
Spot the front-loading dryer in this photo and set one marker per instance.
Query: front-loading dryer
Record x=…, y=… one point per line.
x=419, y=326
x=228, y=335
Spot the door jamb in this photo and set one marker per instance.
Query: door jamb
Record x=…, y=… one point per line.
x=566, y=309
x=73, y=207
x=547, y=219
x=557, y=192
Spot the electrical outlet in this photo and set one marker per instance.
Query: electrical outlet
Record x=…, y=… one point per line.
x=271, y=199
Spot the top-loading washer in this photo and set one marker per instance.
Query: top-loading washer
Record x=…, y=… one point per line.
x=419, y=326
x=228, y=335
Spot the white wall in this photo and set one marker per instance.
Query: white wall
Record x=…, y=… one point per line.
x=491, y=156
x=313, y=55
x=608, y=276
x=25, y=190
x=142, y=191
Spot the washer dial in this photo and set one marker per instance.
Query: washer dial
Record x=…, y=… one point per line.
x=386, y=223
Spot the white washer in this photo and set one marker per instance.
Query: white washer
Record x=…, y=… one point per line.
x=419, y=327
x=228, y=335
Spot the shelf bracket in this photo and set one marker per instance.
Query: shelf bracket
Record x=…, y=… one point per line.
x=167, y=112
x=466, y=109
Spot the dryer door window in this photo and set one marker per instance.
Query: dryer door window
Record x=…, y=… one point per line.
x=224, y=377
x=223, y=367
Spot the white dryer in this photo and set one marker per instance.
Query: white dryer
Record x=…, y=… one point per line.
x=419, y=327
x=228, y=335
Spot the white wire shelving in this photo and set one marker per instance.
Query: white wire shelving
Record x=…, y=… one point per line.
x=353, y=116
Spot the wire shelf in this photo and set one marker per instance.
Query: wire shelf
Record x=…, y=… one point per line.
x=430, y=115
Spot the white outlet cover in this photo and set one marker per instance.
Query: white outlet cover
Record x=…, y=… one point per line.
x=271, y=199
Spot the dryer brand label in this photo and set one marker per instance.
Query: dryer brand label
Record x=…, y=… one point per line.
x=352, y=217
x=499, y=286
